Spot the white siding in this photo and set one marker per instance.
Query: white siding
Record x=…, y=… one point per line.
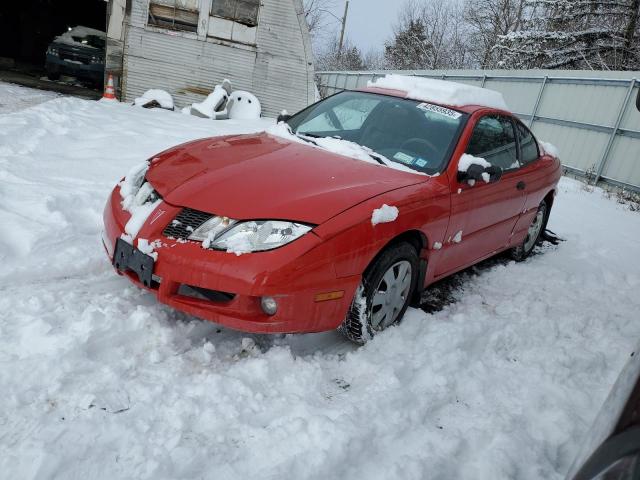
x=278, y=69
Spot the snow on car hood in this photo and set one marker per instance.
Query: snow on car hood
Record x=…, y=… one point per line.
x=263, y=176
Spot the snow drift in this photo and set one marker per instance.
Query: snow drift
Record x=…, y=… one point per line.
x=100, y=381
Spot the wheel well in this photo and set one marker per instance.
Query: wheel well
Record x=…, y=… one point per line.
x=414, y=237
x=549, y=199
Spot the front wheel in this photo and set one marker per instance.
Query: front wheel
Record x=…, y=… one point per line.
x=534, y=233
x=384, y=294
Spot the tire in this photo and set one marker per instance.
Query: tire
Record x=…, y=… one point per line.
x=367, y=315
x=53, y=75
x=538, y=224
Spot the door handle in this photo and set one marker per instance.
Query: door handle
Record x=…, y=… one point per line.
x=521, y=186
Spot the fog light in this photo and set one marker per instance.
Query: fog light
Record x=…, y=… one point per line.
x=269, y=305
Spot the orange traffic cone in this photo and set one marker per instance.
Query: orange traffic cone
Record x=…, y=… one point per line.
x=109, y=89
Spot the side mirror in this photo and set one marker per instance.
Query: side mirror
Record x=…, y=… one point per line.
x=283, y=117
x=478, y=173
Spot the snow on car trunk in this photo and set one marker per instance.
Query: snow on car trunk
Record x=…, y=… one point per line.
x=100, y=381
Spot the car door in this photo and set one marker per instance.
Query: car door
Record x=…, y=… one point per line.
x=484, y=215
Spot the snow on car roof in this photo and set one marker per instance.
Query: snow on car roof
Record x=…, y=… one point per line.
x=441, y=91
x=79, y=32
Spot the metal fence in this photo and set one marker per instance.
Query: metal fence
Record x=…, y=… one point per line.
x=590, y=116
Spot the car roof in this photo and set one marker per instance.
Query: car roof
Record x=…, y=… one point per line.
x=470, y=109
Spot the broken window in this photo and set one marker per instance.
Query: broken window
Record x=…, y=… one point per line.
x=174, y=14
x=240, y=11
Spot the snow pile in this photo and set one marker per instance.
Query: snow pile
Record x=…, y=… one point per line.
x=441, y=91
x=338, y=146
x=384, y=214
x=138, y=199
x=101, y=381
x=131, y=184
x=467, y=160
x=244, y=106
x=149, y=247
x=549, y=149
x=239, y=245
x=161, y=97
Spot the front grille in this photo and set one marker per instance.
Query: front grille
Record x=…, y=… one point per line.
x=76, y=57
x=205, y=294
x=185, y=223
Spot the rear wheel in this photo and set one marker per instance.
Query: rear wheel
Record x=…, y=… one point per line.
x=384, y=294
x=534, y=234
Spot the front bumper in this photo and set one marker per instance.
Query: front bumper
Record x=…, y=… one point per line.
x=293, y=275
x=93, y=72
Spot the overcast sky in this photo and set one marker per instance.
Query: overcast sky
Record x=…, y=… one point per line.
x=370, y=22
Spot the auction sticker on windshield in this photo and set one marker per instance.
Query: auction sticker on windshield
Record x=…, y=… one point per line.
x=428, y=107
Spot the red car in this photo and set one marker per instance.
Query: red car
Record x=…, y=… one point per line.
x=285, y=231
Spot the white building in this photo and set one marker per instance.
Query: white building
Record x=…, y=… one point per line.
x=188, y=46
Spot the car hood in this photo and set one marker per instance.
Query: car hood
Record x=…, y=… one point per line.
x=267, y=177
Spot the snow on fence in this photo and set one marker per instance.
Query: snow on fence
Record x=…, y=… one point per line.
x=591, y=116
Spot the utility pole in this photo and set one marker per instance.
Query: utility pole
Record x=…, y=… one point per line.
x=344, y=24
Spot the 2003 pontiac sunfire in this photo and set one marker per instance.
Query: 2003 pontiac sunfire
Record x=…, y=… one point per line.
x=341, y=216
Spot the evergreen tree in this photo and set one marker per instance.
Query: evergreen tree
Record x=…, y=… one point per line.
x=410, y=48
x=575, y=34
x=350, y=58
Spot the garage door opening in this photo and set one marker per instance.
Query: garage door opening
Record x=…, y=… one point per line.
x=30, y=26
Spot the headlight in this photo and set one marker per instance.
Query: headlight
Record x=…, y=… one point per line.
x=210, y=229
x=52, y=51
x=95, y=59
x=223, y=233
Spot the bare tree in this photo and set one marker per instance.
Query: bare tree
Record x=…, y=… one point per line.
x=319, y=16
x=429, y=35
x=487, y=20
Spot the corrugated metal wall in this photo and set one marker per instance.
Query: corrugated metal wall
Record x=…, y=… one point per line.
x=590, y=116
x=278, y=69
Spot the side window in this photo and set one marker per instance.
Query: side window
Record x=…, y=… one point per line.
x=528, y=145
x=349, y=115
x=174, y=14
x=494, y=140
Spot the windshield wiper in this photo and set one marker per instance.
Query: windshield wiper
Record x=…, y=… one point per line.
x=306, y=139
x=378, y=159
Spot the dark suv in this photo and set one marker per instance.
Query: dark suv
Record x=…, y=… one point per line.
x=78, y=52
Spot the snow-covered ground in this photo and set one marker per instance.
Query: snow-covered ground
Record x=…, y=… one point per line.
x=99, y=381
x=14, y=97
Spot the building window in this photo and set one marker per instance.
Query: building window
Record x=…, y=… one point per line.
x=174, y=14
x=240, y=11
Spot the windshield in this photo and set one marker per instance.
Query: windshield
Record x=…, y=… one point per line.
x=418, y=135
x=91, y=40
